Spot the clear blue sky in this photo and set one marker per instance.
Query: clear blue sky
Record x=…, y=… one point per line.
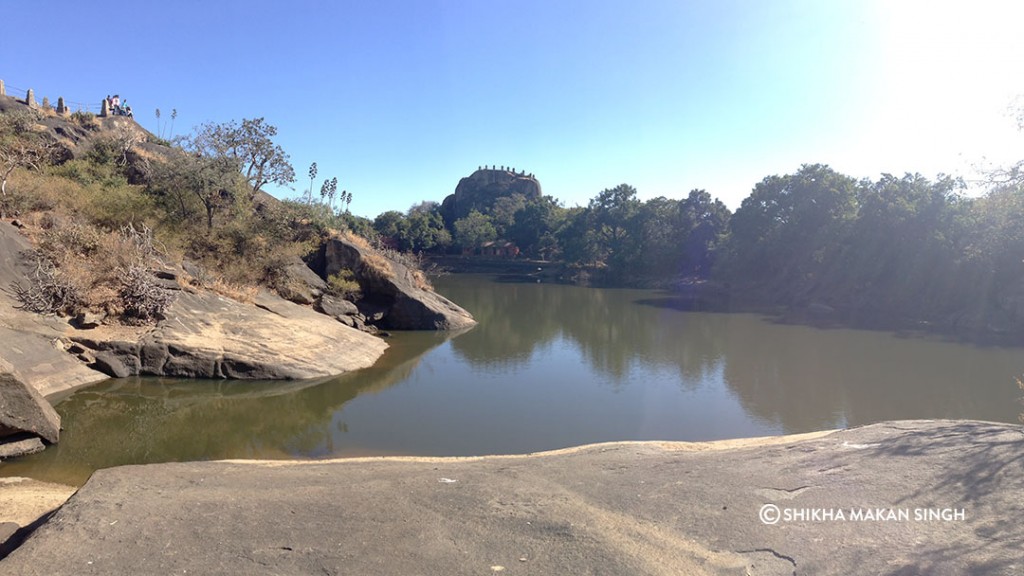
x=401, y=99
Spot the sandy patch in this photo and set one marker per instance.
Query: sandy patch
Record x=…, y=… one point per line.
x=732, y=444
x=23, y=500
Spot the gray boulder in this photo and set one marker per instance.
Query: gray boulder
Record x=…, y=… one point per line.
x=298, y=283
x=15, y=446
x=394, y=297
x=23, y=409
x=336, y=307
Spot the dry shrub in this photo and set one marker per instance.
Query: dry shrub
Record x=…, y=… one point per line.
x=34, y=192
x=377, y=265
x=343, y=283
x=83, y=269
x=356, y=240
x=50, y=291
x=239, y=292
x=141, y=299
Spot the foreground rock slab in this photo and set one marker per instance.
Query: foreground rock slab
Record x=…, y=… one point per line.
x=629, y=508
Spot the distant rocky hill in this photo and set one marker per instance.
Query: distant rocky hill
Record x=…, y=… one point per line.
x=479, y=190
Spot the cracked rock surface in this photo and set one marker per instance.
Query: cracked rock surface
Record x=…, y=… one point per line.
x=623, y=508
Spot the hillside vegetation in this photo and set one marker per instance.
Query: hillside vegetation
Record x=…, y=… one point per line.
x=105, y=201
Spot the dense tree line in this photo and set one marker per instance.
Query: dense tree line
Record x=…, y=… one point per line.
x=616, y=235
x=894, y=251
x=897, y=250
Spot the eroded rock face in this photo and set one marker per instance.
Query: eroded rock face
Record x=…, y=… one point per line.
x=23, y=410
x=210, y=336
x=300, y=284
x=479, y=190
x=394, y=298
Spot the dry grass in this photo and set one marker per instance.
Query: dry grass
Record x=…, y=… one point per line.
x=380, y=261
x=240, y=292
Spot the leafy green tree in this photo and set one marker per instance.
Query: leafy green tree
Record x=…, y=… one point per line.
x=534, y=226
x=707, y=223
x=577, y=237
x=789, y=229
x=474, y=230
x=390, y=224
x=613, y=215
x=902, y=251
x=503, y=213
x=425, y=230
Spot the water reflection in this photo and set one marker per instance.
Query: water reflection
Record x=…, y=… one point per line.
x=142, y=420
x=613, y=329
x=548, y=366
x=797, y=378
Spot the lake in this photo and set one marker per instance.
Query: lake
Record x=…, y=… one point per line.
x=548, y=366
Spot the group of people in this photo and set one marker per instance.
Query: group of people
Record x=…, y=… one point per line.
x=117, y=107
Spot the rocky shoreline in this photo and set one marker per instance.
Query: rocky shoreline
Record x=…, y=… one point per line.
x=203, y=334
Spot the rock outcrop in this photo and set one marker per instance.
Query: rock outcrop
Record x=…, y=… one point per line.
x=394, y=297
x=25, y=416
x=28, y=340
x=479, y=190
x=210, y=336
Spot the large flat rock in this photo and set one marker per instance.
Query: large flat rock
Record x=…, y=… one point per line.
x=209, y=336
x=630, y=508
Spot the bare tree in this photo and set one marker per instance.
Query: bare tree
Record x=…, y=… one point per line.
x=250, y=145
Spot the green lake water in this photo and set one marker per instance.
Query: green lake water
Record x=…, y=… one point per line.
x=548, y=366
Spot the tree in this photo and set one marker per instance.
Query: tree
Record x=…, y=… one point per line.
x=390, y=224
x=613, y=213
x=327, y=192
x=707, y=222
x=789, y=228
x=250, y=146
x=474, y=230
x=534, y=225
x=312, y=176
x=424, y=229
x=185, y=180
